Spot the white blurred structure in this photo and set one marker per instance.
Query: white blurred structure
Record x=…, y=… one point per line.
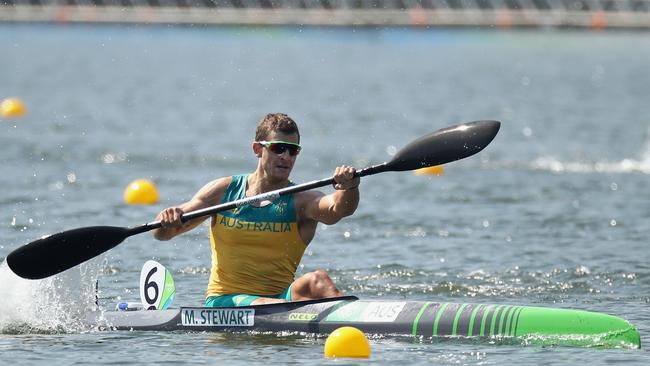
x=594, y=14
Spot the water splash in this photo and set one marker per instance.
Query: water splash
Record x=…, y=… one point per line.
x=53, y=305
x=640, y=164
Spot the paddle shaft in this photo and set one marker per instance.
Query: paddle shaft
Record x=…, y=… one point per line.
x=267, y=196
x=56, y=253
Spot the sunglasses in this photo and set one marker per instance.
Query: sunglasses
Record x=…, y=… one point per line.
x=279, y=147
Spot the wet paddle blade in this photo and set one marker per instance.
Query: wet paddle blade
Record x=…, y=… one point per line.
x=55, y=253
x=444, y=146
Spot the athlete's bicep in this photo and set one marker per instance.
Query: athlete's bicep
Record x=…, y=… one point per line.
x=318, y=207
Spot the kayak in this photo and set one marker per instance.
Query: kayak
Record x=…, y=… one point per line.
x=523, y=324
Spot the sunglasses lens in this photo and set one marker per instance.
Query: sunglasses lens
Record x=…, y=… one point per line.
x=279, y=148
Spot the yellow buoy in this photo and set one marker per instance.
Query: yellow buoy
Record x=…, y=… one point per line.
x=347, y=342
x=12, y=108
x=141, y=192
x=431, y=170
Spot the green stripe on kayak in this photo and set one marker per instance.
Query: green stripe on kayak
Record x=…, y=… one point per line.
x=417, y=318
x=441, y=310
x=486, y=313
x=516, y=322
x=497, y=312
x=472, y=318
x=499, y=327
x=506, y=318
x=459, y=312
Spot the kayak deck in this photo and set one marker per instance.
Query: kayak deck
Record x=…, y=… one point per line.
x=528, y=324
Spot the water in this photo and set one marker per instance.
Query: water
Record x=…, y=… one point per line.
x=553, y=213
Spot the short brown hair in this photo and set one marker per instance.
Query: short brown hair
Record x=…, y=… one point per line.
x=275, y=122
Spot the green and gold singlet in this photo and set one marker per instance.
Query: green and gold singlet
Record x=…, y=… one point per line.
x=255, y=250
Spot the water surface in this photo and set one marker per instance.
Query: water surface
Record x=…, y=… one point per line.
x=553, y=213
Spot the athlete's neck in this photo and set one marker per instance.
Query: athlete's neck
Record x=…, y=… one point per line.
x=258, y=183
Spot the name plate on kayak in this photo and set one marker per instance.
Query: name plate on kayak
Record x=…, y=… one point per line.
x=367, y=312
x=217, y=317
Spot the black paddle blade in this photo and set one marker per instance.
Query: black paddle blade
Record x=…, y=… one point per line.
x=446, y=145
x=55, y=253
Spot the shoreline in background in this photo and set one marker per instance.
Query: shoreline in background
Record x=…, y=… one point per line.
x=287, y=14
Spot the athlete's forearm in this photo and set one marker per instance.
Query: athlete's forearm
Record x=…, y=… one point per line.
x=168, y=233
x=345, y=202
x=163, y=234
x=172, y=223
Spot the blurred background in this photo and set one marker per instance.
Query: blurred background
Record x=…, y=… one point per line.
x=97, y=95
x=595, y=14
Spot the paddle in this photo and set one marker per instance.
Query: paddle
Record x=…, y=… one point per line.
x=56, y=253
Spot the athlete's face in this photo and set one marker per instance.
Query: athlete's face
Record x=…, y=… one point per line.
x=278, y=162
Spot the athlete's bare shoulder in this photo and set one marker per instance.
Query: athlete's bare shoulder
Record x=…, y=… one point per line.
x=212, y=192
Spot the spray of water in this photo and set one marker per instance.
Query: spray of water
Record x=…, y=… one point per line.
x=641, y=164
x=57, y=304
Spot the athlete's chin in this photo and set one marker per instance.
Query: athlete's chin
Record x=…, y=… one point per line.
x=282, y=173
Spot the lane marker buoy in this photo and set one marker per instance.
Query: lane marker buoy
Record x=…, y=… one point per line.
x=347, y=342
x=12, y=108
x=141, y=192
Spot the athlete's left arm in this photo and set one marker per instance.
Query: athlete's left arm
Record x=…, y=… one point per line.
x=331, y=208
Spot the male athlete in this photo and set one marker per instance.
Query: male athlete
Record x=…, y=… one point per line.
x=256, y=249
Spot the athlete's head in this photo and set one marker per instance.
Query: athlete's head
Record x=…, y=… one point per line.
x=277, y=144
x=276, y=122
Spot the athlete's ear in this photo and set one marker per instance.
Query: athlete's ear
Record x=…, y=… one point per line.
x=257, y=149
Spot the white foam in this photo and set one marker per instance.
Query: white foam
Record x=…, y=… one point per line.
x=55, y=304
x=638, y=165
x=623, y=166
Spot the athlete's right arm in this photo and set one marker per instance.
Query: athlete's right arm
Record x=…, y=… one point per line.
x=170, y=218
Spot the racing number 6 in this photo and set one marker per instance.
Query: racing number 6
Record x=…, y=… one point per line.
x=148, y=285
x=156, y=286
